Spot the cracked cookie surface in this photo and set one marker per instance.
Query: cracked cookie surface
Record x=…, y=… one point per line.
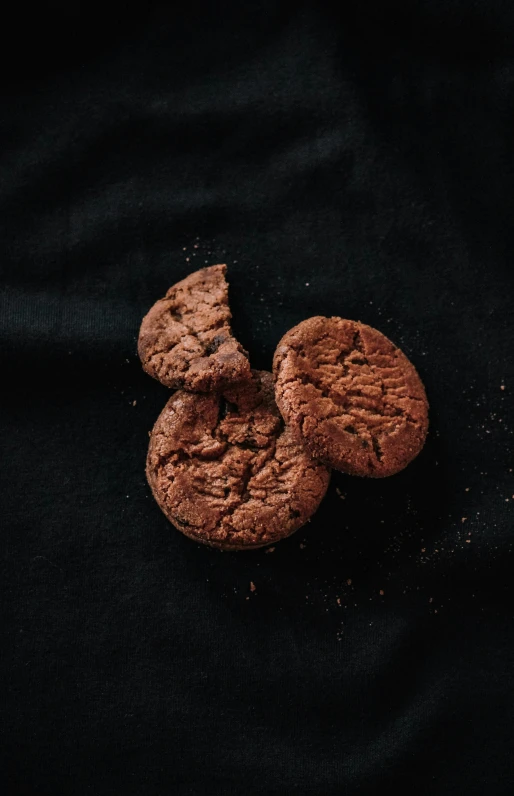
x=186, y=341
x=351, y=396
x=226, y=472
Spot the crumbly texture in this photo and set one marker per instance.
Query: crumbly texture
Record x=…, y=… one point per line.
x=226, y=472
x=351, y=396
x=186, y=340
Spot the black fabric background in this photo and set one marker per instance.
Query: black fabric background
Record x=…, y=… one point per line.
x=357, y=163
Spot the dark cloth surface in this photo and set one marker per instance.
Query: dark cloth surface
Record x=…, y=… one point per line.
x=357, y=163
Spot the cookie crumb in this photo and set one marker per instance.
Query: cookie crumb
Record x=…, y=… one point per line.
x=349, y=582
x=302, y=546
x=252, y=586
x=270, y=550
x=338, y=600
x=381, y=592
x=339, y=493
x=468, y=541
x=502, y=386
x=134, y=403
x=430, y=599
x=467, y=489
x=463, y=519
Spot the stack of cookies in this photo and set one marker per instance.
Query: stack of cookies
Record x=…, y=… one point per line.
x=240, y=458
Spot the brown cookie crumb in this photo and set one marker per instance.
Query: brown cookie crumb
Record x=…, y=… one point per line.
x=186, y=341
x=351, y=396
x=226, y=472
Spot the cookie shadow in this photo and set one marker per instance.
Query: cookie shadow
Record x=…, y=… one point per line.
x=366, y=531
x=364, y=522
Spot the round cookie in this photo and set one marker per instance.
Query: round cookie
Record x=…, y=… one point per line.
x=351, y=396
x=226, y=473
x=186, y=341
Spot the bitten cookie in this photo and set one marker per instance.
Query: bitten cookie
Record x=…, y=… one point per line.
x=186, y=341
x=226, y=473
x=351, y=396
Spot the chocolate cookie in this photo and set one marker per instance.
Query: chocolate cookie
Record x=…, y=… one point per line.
x=351, y=396
x=226, y=473
x=186, y=340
